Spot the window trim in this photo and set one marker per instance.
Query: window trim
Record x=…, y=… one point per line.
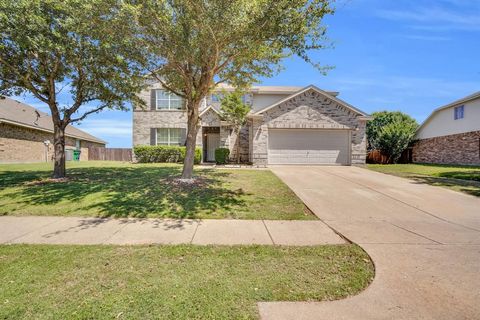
x=178, y=143
x=169, y=101
x=457, y=111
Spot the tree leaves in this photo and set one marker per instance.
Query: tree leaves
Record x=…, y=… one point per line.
x=81, y=45
x=391, y=133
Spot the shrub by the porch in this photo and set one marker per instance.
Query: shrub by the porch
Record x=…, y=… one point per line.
x=221, y=155
x=146, y=154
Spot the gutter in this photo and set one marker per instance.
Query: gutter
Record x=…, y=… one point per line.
x=19, y=124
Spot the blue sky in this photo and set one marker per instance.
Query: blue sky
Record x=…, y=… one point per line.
x=407, y=55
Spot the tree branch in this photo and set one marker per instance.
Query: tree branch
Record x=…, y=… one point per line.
x=168, y=87
x=26, y=81
x=87, y=113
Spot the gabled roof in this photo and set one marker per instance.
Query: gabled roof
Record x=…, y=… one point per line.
x=458, y=102
x=209, y=108
x=21, y=114
x=324, y=93
x=267, y=89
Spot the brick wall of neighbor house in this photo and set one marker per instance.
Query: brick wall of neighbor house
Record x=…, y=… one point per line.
x=463, y=148
x=308, y=110
x=19, y=144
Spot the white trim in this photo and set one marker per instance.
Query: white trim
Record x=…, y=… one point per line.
x=350, y=151
x=209, y=108
x=50, y=131
x=169, y=100
x=456, y=103
x=169, y=143
x=312, y=87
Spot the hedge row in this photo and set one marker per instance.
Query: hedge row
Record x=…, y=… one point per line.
x=149, y=154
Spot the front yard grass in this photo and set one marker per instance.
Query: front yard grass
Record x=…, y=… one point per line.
x=172, y=282
x=459, y=178
x=121, y=189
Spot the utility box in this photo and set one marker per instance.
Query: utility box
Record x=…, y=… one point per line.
x=76, y=155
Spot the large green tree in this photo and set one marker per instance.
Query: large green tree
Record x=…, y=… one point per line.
x=391, y=133
x=196, y=44
x=82, y=47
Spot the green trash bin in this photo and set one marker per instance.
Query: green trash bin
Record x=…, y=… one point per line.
x=76, y=155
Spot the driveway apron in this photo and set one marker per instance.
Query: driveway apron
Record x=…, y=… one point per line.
x=424, y=241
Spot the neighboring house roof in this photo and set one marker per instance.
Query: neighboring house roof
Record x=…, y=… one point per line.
x=469, y=98
x=21, y=114
x=324, y=93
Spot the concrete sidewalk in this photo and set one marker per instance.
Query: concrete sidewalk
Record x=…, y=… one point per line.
x=72, y=230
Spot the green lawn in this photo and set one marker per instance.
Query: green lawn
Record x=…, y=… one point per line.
x=459, y=178
x=171, y=282
x=120, y=189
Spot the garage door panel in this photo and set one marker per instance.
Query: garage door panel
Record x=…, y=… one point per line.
x=298, y=146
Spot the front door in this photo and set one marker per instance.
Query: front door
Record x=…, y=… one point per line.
x=213, y=143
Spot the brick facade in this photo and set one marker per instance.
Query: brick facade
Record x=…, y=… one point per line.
x=463, y=148
x=20, y=144
x=309, y=110
x=146, y=119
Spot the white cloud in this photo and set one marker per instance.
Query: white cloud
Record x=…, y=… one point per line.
x=107, y=128
x=427, y=38
x=411, y=86
x=434, y=18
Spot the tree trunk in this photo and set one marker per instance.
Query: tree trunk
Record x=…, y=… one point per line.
x=238, y=145
x=192, y=130
x=59, y=151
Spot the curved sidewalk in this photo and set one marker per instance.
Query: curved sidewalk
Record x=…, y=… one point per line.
x=424, y=241
x=71, y=230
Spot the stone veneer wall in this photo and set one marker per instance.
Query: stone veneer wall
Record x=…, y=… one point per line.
x=244, y=146
x=146, y=119
x=20, y=144
x=463, y=148
x=309, y=110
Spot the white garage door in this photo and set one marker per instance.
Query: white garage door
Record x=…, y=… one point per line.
x=315, y=146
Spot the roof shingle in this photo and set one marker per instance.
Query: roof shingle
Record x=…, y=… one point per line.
x=18, y=113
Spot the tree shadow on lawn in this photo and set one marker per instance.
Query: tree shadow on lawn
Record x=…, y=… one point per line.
x=470, y=186
x=473, y=175
x=126, y=192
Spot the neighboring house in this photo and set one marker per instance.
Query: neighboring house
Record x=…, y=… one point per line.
x=24, y=132
x=451, y=134
x=287, y=125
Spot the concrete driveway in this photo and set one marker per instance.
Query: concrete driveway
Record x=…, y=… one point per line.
x=424, y=241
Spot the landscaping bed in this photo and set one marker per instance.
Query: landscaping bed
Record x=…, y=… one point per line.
x=172, y=282
x=122, y=189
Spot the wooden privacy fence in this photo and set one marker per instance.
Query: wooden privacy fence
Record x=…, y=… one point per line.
x=110, y=154
x=375, y=156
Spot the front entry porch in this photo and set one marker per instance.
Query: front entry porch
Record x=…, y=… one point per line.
x=210, y=142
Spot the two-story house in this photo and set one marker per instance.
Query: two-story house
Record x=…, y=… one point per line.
x=286, y=125
x=451, y=134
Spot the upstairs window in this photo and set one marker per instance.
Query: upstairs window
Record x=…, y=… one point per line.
x=458, y=112
x=168, y=101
